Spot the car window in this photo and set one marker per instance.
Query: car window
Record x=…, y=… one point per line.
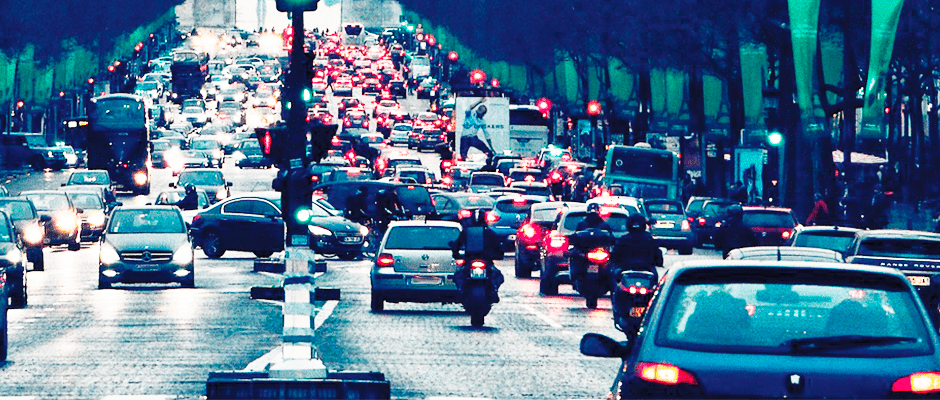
x=206, y=145
x=838, y=241
x=715, y=209
x=900, y=248
x=442, y=203
x=18, y=210
x=146, y=221
x=513, y=206
x=545, y=214
x=205, y=178
x=474, y=201
x=421, y=238
x=664, y=208
x=418, y=176
x=487, y=180
x=617, y=222
x=768, y=219
x=785, y=311
x=89, y=178
x=239, y=207
x=6, y=234
x=90, y=201
x=49, y=201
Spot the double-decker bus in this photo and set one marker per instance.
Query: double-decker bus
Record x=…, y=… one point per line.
x=640, y=171
x=119, y=140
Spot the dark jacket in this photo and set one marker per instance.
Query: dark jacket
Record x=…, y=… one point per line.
x=637, y=251
x=593, y=221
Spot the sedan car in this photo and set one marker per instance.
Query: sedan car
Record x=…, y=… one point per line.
x=12, y=262
x=411, y=270
x=93, y=212
x=183, y=159
x=211, y=148
x=777, y=329
x=146, y=244
x=248, y=154
x=243, y=223
x=63, y=224
x=209, y=179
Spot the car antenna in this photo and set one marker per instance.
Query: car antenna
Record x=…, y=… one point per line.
x=779, y=257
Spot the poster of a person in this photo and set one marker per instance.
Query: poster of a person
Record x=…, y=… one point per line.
x=474, y=132
x=482, y=124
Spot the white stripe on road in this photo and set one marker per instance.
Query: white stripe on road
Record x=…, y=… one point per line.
x=542, y=316
x=324, y=313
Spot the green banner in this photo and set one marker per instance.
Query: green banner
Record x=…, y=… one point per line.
x=884, y=25
x=804, y=21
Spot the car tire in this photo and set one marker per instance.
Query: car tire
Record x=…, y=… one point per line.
x=522, y=270
x=212, y=245
x=18, y=298
x=3, y=337
x=547, y=284
x=477, y=320
x=686, y=250
x=263, y=254
x=75, y=246
x=377, y=303
x=189, y=283
x=103, y=283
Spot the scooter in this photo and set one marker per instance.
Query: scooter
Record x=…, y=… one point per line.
x=475, y=293
x=630, y=298
x=589, y=263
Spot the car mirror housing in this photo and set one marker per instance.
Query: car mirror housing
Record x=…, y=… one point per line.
x=597, y=345
x=45, y=218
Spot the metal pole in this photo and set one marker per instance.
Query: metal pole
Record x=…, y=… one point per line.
x=295, y=124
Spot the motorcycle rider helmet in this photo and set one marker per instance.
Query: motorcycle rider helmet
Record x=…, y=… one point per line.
x=189, y=187
x=636, y=223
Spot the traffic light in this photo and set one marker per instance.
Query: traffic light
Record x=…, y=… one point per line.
x=297, y=205
x=594, y=108
x=774, y=138
x=20, y=104
x=306, y=94
x=453, y=56
x=296, y=5
x=353, y=30
x=321, y=140
x=270, y=141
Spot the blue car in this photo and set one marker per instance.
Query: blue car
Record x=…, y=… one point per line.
x=509, y=213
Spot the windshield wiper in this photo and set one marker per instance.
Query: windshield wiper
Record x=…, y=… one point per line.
x=843, y=342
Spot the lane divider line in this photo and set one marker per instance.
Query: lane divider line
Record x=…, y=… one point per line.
x=542, y=316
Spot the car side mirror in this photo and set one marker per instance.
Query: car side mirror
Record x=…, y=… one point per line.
x=79, y=210
x=228, y=184
x=172, y=184
x=45, y=218
x=597, y=345
x=62, y=184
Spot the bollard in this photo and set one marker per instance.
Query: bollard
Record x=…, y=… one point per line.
x=299, y=358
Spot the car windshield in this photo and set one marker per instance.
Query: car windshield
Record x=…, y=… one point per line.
x=418, y=176
x=617, y=222
x=204, y=178
x=900, y=248
x=206, y=145
x=146, y=221
x=838, y=241
x=192, y=110
x=487, y=180
x=160, y=146
x=516, y=206
x=792, y=311
x=86, y=201
x=715, y=209
x=49, y=201
x=89, y=178
x=421, y=237
x=769, y=219
x=17, y=209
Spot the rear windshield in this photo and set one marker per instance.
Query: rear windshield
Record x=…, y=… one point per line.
x=418, y=176
x=617, y=222
x=769, y=219
x=146, y=221
x=512, y=206
x=536, y=190
x=487, y=180
x=207, y=178
x=901, y=248
x=545, y=214
x=715, y=209
x=421, y=238
x=664, y=208
x=403, y=161
x=17, y=210
x=838, y=241
x=413, y=195
x=49, y=202
x=474, y=201
x=88, y=201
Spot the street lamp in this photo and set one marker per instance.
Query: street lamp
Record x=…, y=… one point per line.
x=594, y=109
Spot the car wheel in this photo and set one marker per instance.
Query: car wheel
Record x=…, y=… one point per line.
x=547, y=284
x=591, y=302
x=75, y=246
x=38, y=260
x=348, y=256
x=378, y=303
x=3, y=336
x=103, y=283
x=18, y=298
x=263, y=254
x=686, y=250
x=189, y=282
x=212, y=246
x=477, y=320
x=522, y=270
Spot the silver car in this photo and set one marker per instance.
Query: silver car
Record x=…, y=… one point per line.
x=146, y=244
x=415, y=263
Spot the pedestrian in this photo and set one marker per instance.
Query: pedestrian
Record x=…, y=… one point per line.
x=820, y=214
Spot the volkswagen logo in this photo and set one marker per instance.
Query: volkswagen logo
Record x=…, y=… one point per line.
x=146, y=256
x=425, y=257
x=795, y=384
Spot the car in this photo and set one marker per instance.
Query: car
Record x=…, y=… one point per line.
x=706, y=225
x=346, y=174
x=29, y=227
x=160, y=148
x=514, y=175
x=342, y=87
x=209, y=179
x=187, y=159
x=93, y=212
x=385, y=165
x=62, y=223
x=210, y=147
x=837, y=238
x=760, y=329
x=194, y=115
x=173, y=196
x=397, y=88
x=785, y=253
x=12, y=264
x=427, y=119
x=531, y=236
x=669, y=225
x=373, y=85
x=485, y=181
x=146, y=244
x=772, y=226
x=509, y=213
x=693, y=208
x=346, y=104
x=248, y=154
x=414, y=137
x=553, y=265
x=410, y=270
x=414, y=199
x=534, y=189
x=356, y=119
x=455, y=206
x=243, y=223
x=429, y=88
x=98, y=179
x=318, y=85
x=230, y=111
x=430, y=139
x=385, y=107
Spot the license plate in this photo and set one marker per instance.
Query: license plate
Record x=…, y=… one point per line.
x=919, y=280
x=350, y=239
x=637, y=311
x=511, y=237
x=431, y=267
x=665, y=224
x=594, y=268
x=425, y=280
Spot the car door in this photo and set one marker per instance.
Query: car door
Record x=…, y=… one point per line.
x=237, y=225
x=269, y=225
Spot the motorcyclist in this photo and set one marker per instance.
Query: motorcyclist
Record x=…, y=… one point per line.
x=594, y=220
x=190, y=200
x=637, y=250
x=478, y=242
x=387, y=207
x=356, y=206
x=733, y=234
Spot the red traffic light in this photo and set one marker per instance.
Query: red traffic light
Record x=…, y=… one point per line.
x=110, y=68
x=61, y=94
x=20, y=104
x=419, y=37
x=544, y=105
x=431, y=40
x=494, y=83
x=91, y=81
x=453, y=56
x=477, y=76
x=594, y=108
x=267, y=142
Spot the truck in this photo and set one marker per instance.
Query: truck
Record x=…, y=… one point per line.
x=118, y=140
x=188, y=73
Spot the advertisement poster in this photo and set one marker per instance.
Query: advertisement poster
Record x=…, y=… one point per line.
x=482, y=124
x=749, y=171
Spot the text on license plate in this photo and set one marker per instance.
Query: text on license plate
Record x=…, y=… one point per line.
x=425, y=280
x=665, y=224
x=919, y=280
x=594, y=268
x=350, y=239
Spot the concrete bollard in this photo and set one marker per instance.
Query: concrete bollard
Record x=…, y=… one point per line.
x=298, y=355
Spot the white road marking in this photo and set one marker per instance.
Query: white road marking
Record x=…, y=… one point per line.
x=542, y=316
x=324, y=313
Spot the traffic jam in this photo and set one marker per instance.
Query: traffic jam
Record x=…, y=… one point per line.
x=439, y=197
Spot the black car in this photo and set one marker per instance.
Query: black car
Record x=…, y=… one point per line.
x=397, y=88
x=12, y=262
x=459, y=205
x=64, y=224
x=346, y=104
x=29, y=226
x=244, y=223
x=708, y=222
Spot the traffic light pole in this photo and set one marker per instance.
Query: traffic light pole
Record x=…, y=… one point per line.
x=295, y=189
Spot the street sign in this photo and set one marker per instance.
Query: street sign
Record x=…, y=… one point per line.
x=299, y=240
x=296, y=163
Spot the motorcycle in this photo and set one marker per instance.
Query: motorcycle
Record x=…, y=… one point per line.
x=629, y=300
x=589, y=263
x=475, y=290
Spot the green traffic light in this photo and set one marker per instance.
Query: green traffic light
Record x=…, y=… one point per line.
x=306, y=95
x=303, y=215
x=411, y=28
x=775, y=138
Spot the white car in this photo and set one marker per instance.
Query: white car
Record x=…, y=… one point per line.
x=342, y=88
x=195, y=115
x=415, y=263
x=400, y=134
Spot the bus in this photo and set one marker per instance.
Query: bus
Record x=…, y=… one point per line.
x=640, y=171
x=118, y=140
x=528, y=130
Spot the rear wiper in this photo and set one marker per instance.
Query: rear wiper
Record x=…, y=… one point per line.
x=843, y=342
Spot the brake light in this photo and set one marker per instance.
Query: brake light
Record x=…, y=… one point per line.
x=786, y=235
x=640, y=290
x=921, y=382
x=464, y=214
x=491, y=218
x=664, y=373
x=459, y=261
x=477, y=264
x=598, y=255
x=335, y=141
x=556, y=177
x=447, y=163
x=385, y=260
x=558, y=243
x=447, y=181
x=528, y=232
x=685, y=225
x=701, y=221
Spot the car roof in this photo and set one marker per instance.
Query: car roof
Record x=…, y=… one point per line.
x=785, y=252
x=682, y=266
x=520, y=184
x=527, y=197
x=897, y=234
x=147, y=207
x=425, y=223
x=616, y=200
x=826, y=228
x=761, y=208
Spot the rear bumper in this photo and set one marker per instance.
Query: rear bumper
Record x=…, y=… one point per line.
x=398, y=287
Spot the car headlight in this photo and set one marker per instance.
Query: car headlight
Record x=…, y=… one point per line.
x=364, y=230
x=238, y=156
x=221, y=194
x=14, y=256
x=140, y=178
x=33, y=234
x=183, y=255
x=66, y=222
x=108, y=255
x=319, y=231
x=95, y=218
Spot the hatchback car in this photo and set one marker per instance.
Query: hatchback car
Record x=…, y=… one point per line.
x=209, y=179
x=399, y=134
x=509, y=213
x=708, y=222
x=63, y=224
x=777, y=329
x=772, y=226
x=146, y=244
x=671, y=230
x=93, y=212
x=243, y=223
x=415, y=263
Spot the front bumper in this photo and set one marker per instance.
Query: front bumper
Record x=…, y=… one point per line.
x=336, y=244
x=143, y=272
x=54, y=237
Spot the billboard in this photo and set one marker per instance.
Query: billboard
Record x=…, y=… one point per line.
x=214, y=13
x=482, y=123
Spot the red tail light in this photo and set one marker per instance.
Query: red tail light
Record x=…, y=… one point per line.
x=664, y=373
x=447, y=180
x=556, y=177
x=701, y=221
x=491, y=218
x=447, y=163
x=685, y=225
x=464, y=214
x=528, y=232
x=335, y=141
x=385, y=260
x=477, y=264
x=598, y=255
x=640, y=290
x=786, y=235
x=459, y=261
x=921, y=382
x=557, y=243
